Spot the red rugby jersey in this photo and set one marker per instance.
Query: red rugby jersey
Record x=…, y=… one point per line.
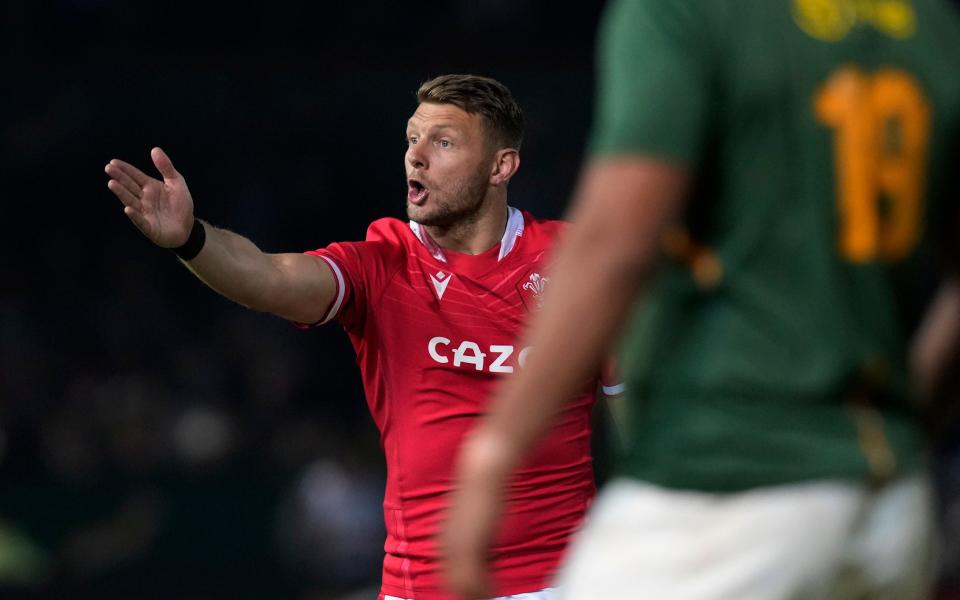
x=434, y=331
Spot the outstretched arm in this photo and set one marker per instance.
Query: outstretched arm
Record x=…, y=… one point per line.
x=294, y=286
x=620, y=212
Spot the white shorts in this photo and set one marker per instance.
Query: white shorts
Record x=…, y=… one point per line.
x=544, y=594
x=812, y=541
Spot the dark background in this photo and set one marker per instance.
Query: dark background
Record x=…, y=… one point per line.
x=157, y=441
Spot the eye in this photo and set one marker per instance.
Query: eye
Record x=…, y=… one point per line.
x=412, y=139
x=444, y=143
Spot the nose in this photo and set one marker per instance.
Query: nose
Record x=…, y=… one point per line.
x=416, y=158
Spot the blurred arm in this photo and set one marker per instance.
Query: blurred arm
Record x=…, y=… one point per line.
x=621, y=210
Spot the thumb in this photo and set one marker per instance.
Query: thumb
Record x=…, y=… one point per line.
x=163, y=164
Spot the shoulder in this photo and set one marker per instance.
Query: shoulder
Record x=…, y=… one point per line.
x=541, y=234
x=657, y=28
x=543, y=226
x=386, y=242
x=390, y=231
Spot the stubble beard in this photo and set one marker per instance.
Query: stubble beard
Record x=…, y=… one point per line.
x=460, y=208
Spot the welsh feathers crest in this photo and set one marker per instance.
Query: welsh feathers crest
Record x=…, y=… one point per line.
x=536, y=286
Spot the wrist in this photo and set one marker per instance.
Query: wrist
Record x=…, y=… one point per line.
x=194, y=244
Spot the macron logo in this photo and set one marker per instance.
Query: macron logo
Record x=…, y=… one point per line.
x=440, y=281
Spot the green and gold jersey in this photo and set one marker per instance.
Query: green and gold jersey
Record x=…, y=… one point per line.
x=772, y=347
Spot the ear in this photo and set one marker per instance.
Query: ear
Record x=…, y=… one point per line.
x=506, y=161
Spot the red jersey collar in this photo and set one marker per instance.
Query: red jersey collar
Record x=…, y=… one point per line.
x=511, y=234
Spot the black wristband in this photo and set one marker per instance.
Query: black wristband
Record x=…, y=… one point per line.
x=194, y=244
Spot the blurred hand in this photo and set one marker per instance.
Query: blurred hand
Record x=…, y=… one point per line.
x=161, y=210
x=466, y=573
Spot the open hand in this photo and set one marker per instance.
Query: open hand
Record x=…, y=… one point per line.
x=161, y=210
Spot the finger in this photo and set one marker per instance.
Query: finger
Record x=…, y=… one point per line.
x=123, y=194
x=124, y=180
x=163, y=164
x=136, y=174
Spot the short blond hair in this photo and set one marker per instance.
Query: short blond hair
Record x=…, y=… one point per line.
x=487, y=97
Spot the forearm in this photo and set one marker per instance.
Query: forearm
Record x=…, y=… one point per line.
x=235, y=267
x=283, y=284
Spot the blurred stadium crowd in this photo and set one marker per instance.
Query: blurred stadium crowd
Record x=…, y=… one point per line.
x=157, y=441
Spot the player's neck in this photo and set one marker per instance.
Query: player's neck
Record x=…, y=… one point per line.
x=477, y=234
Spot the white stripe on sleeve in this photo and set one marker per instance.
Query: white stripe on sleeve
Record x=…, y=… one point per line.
x=614, y=390
x=341, y=290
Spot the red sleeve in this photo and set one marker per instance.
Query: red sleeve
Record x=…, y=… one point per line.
x=361, y=271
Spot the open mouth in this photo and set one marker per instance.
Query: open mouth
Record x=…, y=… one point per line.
x=416, y=192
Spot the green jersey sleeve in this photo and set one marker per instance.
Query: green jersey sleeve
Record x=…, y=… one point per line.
x=653, y=81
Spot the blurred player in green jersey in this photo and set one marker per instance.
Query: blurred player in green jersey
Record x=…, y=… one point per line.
x=794, y=162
